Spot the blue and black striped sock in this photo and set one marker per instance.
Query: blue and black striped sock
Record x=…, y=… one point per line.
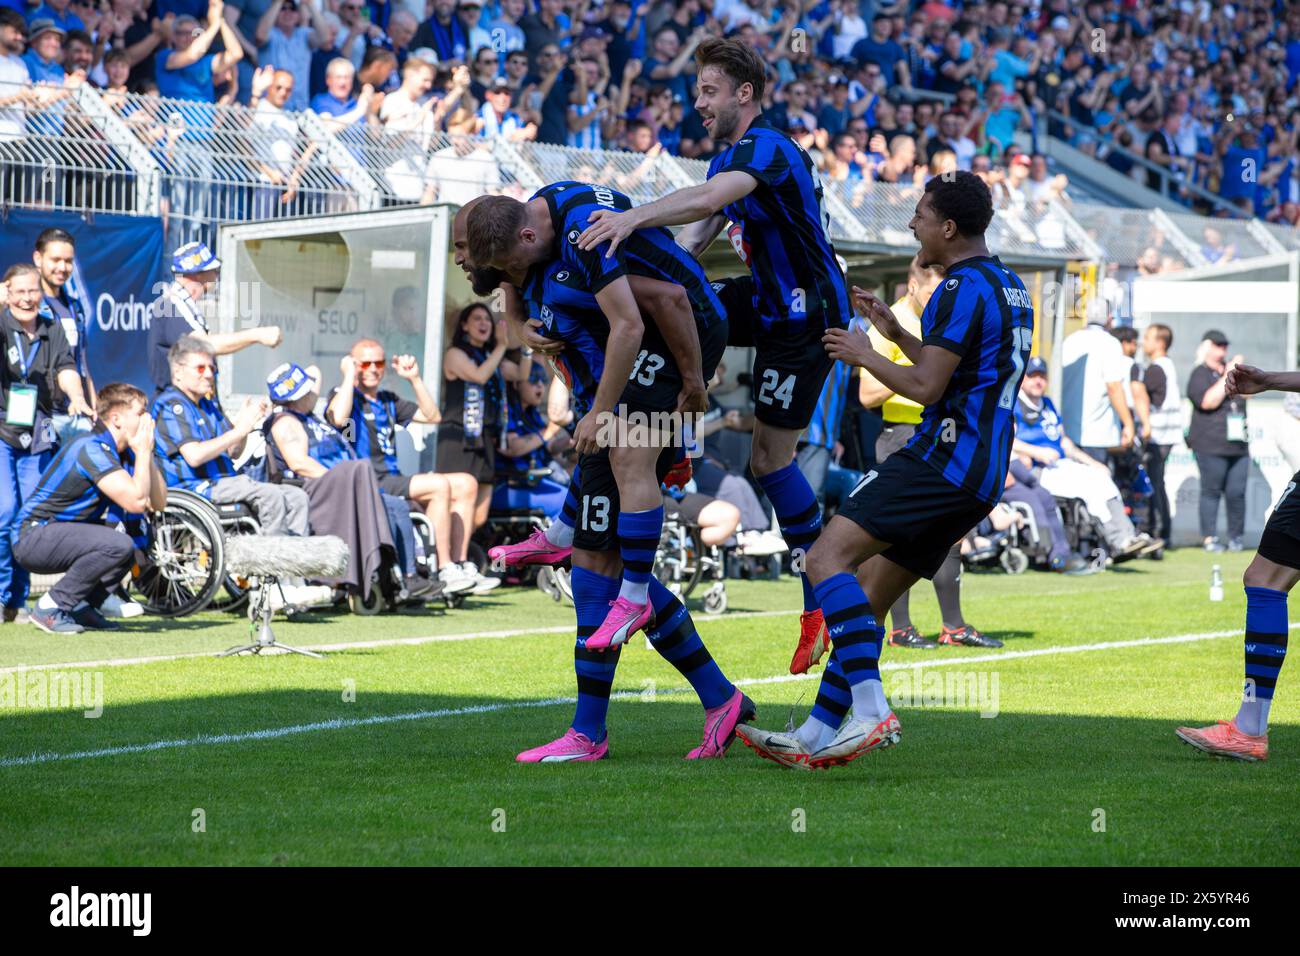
x=857, y=639
x=673, y=635
x=798, y=514
x=592, y=594
x=834, y=698
x=638, y=540
x=1267, y=628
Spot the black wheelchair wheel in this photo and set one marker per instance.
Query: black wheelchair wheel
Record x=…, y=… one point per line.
x=184, y=558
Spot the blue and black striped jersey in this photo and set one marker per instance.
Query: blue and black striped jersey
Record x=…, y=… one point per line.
x=824, y=429
x=785, y=233
x=179, y=422
x=983, y=314
x=325, y=443
x=652, y=253
x=558, y=297
x=68, y=489
x=372, y=429
x=524, y=421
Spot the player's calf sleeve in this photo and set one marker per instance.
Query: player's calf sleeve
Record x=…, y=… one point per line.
x=673, y=635
x=1266, y=638
x=638, y=540
x=798, y=514
x=592, y=594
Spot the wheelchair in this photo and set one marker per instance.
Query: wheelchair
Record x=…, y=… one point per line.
x=683, y=562
x=1014, y=548
x=180, y=563
x=513, y=517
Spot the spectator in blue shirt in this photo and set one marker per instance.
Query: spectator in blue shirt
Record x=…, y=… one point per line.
x=44, y=56
x=185, y=70
x=57, y=12
x=505, y=28
x=285, y=37
x=671, y=62
x=337, y=101
x=880, y=49
x=1011, y=64
x=1243, y=164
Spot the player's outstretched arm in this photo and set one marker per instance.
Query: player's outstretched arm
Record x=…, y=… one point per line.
x=669, y=307
x=675, y=209
x=697, y=236
x=1249, y=380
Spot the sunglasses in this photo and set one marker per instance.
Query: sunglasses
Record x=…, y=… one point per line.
x=202, y=368
x=378, y=364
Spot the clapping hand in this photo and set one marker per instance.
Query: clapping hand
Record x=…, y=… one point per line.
x=879, y=314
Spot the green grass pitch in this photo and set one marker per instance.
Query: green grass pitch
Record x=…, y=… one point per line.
x=403, y=753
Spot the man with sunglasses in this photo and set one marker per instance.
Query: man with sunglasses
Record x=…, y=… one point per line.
x=195, y=445
x=177, y=313
x=369, y=418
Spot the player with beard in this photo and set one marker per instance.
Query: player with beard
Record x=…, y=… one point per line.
x=766, y=185
x=572, y=312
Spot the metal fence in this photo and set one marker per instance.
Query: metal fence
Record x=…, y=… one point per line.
x=198, y=165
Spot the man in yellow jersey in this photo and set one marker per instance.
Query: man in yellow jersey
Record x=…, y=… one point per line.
x=901, y=416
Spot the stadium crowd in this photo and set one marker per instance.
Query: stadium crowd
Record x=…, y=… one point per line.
x=879, y=91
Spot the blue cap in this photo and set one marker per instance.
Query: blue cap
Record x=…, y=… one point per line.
x=194, y=257
x=290, y=382
x=1035, y=366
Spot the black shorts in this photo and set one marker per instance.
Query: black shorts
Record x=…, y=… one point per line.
x=1280, y=542
x=598, y=502
x=454, y=457
x=399, y=486
x=914, y=508
x=656, y=381
x=790, y=369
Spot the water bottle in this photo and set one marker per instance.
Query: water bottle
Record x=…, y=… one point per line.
x=1216, y=584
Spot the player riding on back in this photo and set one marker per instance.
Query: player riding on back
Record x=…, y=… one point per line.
x=766, y=185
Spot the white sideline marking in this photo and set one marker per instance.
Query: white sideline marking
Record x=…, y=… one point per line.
x=273, y=733
x=355, y=645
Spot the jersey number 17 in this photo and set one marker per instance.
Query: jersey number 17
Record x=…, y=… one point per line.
x=1022, y=341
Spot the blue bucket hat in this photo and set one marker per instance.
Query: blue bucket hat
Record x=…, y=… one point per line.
x=194, y=257
x=290, y=382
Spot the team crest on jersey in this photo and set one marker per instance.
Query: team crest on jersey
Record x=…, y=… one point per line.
x=178, y=409
x=951, y=284
x=745, y=142
x=562, y=275
x=718, y=286
x=573, y=236
x=548, y=317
